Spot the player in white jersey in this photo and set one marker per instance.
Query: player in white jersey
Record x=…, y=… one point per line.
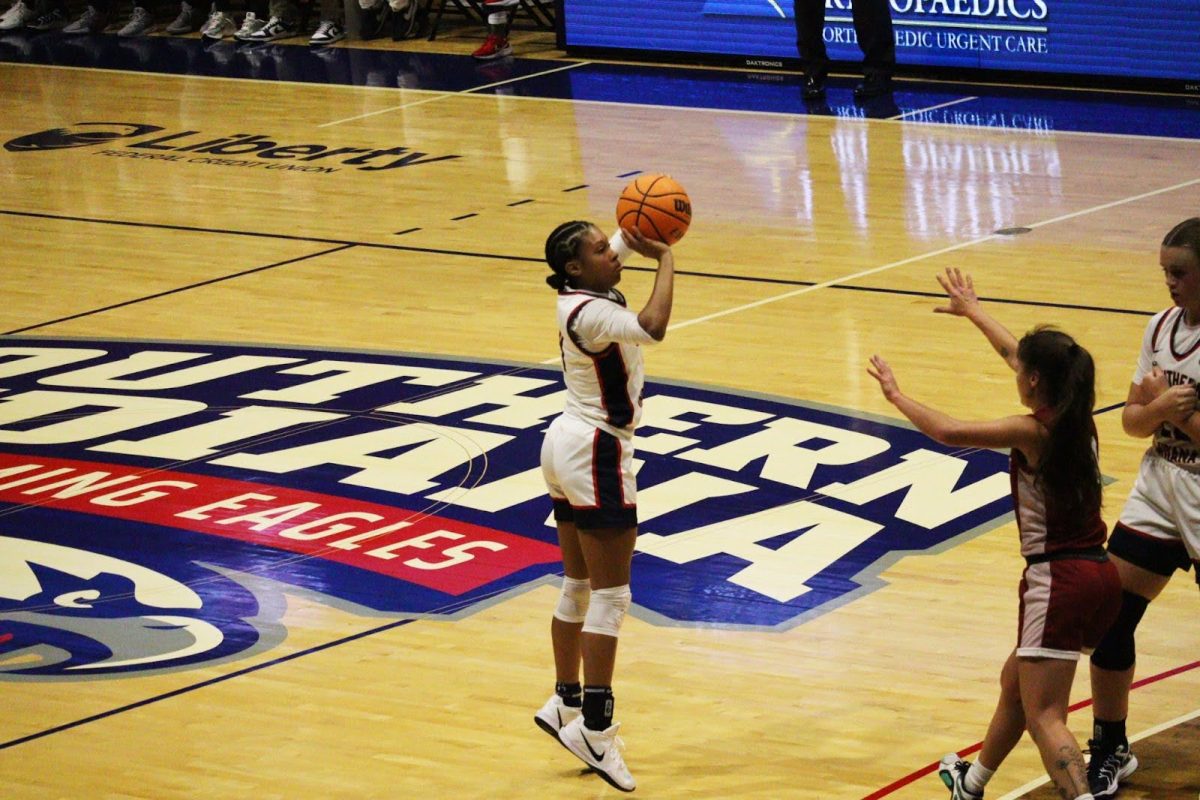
x=1159, y=528
x=587, y=461
x=1069, y=591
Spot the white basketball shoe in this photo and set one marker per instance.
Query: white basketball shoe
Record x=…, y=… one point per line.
x=600, y=750
x=554, y=716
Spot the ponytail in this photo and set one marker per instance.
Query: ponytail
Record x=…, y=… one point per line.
x=1069, y=466
x=562, y=245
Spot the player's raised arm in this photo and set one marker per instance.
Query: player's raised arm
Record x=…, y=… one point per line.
x=965, y=303
x=656, y=315
x=1021, y=432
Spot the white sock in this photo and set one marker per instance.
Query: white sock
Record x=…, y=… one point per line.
x=977, y=778
x=1087, y=796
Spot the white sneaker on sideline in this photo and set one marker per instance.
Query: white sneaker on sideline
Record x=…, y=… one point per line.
x=218, y=26
x=140, y=23
x=17, y=17
x=251, y=25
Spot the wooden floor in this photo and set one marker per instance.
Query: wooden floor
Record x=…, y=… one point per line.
x=792, y=214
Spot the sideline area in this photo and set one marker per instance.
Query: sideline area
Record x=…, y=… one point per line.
x=403, y=65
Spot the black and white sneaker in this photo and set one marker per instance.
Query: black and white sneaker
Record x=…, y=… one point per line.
x=600, y=750
x=555, y=715
x=1108, y=767
x=50, y=20
x=327, y=32
x=276, y=28
x=953, y=772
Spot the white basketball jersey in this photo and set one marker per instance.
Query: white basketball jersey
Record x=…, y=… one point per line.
x=1174, y=347
x=602, y=359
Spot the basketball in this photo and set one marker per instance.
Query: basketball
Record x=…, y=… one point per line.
x=657, y=206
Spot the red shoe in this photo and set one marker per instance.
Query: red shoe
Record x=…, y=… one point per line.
x=494, y=46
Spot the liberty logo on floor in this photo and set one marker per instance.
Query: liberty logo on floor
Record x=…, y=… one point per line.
x=266, y=151
x=84, y=135
x=157, y=501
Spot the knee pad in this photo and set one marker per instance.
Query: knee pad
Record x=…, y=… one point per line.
x=1116, y=650
x=573, y=600
x=608, y=610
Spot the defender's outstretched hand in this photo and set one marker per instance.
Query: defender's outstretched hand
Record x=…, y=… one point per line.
x=880, y=371
x=961, y=291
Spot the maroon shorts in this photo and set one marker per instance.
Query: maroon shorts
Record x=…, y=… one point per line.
x=1066, y=607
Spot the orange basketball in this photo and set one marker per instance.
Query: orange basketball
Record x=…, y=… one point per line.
x=657, y=206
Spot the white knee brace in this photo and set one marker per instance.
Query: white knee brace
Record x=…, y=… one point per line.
x=608, y=610
x=573, y=600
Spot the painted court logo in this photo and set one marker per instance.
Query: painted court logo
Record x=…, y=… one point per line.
x=84, y=134
x=246, y=150
x=158, y=501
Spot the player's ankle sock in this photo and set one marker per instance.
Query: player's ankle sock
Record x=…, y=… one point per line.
x=1111, y=732
x=597, y=707
x=571, y=694
x=977, y=778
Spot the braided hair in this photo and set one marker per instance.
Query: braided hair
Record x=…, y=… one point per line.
x=1068, y=466
x=1185, y=234
x=562, y=245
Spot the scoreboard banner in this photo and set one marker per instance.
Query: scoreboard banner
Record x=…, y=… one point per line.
x=1158, y=40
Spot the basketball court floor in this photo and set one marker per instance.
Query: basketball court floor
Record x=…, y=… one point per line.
x=279, y=355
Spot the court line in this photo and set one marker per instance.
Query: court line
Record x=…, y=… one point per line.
x=800, y=115
x=1021, y=791
x=533, y=260
x=450, y=608
x=444, y=95
x=266, y=235
x=210, y=682
x=175, y=290
x=789, y=114
x=929, y=769
x=940, y=295
x=933, y=108
x=740, y=70
x=292, y=85
x=923, y=256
